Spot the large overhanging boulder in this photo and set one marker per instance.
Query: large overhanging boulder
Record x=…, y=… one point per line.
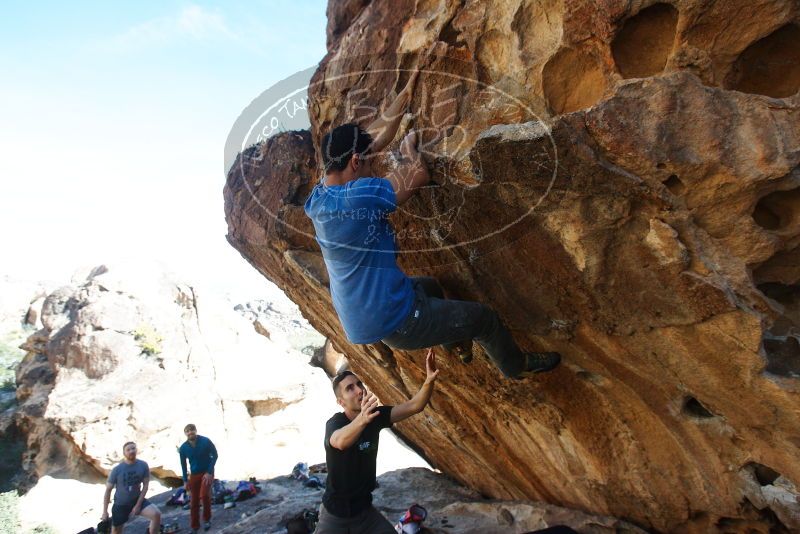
x=621, y=181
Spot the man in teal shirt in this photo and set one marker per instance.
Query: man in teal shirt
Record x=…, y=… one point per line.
x=202, y=455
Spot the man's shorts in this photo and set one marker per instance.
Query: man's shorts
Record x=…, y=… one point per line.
x=121, y=512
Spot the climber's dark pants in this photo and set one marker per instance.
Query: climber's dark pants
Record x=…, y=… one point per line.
x=435, y=320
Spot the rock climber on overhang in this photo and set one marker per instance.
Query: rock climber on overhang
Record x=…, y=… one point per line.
x=374, y=299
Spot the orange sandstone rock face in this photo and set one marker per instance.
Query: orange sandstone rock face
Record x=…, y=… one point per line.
x=621, y=181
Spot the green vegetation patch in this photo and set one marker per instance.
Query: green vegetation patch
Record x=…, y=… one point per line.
x=149, y=339
x=11, y=355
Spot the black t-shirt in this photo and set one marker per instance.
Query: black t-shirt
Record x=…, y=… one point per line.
x=351, y=472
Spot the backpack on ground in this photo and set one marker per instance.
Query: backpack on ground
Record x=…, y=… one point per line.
x=411, y=520
x=313, y=482
x=178, y=498
x=303, y=523
x=300, y=471
x=219, y=492
x=244, y=490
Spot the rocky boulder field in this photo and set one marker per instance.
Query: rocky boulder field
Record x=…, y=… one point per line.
x=452, y=509
x=132, y=355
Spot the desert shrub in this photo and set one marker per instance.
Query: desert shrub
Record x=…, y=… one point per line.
x=149, y=340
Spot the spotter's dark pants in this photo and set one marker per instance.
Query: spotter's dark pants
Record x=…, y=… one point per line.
x=369, y=521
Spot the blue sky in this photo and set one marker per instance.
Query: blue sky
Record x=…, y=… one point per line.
x=113, y=119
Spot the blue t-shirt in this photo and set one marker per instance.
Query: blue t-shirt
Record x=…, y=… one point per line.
x=372, y=296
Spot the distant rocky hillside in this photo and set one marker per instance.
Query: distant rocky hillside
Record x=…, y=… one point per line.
x=20, y=307
x=282, y=323
x=128, y=354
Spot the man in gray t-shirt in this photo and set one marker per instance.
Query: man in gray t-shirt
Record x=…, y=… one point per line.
x=131, y=478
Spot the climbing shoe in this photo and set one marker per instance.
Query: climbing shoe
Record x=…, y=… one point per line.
x=540, y=362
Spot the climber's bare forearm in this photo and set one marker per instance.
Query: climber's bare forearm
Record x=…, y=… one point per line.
x=384, y=129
